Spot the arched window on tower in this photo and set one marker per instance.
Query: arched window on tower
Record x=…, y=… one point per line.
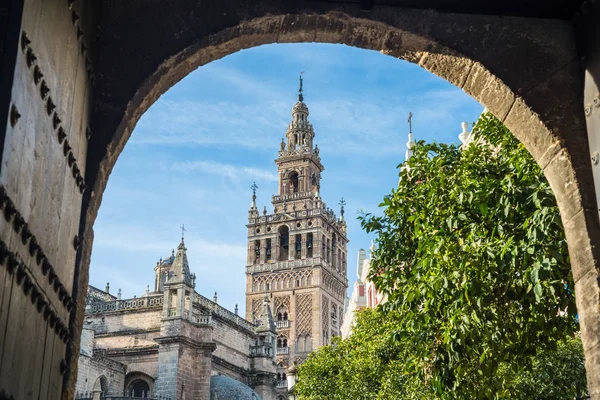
x=268, y=250
x=300, y=344
x=284, y=243
x=333, y=252
x=256, y=251
x=298, y=254
x=294, y=182
x=309, y=245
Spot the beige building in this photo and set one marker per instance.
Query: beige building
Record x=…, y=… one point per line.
x=364, y=293
x=173, y=343
x=297, y=255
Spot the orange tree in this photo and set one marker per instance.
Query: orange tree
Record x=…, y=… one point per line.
x=473, y=259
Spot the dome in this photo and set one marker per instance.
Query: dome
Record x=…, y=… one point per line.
x=300, y=106
x=225, y=387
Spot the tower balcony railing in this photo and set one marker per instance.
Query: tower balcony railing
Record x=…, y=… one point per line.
x=261, y=351
x=292, y=196
x=282, y=324
x=281, y=385
x=283, y=350
x=287, y=264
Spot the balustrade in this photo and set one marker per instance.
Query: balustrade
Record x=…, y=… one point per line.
x=281, y=384
x=283, y=350
x=282, y=324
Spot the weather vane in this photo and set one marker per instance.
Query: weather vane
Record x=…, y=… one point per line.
x=182, y=230
x=410, y=122
x=253, y=187
x=300, y=96
x=342, y=203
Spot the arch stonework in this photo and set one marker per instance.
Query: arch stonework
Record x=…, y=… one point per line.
x=526, y=71
x=540, y=105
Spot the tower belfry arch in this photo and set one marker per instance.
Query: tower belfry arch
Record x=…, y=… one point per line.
x=289, y=251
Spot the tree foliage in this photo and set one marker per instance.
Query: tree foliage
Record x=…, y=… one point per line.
x=473, y=259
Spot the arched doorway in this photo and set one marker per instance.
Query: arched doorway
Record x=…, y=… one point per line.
x=139, y=388
x=138, y=384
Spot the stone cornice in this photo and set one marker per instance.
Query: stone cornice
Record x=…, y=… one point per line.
x=127, y=333
x=204, y=346
x=153, y=349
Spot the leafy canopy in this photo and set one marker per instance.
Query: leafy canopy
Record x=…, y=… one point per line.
x=473, y=259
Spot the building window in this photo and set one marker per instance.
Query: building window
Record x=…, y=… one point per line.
x=256, y=251
x=333, y=257
x=309, y=245
x=284, y=243
x=298, y=246
x=268, y=249
x=294, y=182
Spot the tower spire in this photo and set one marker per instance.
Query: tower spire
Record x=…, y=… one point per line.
x=253, y=187
x=300, y=95
x=342, y=203
x=410, y=144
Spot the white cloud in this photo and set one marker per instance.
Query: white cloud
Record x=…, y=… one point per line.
x=226, y=170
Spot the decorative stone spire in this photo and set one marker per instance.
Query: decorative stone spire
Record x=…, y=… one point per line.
x=180, y=271
x=215, y=298
x=265, y=321
x=410, y=144
x=253, y=204
x=236, y=309
x=300, y=95
x=342, y=203
x=465, y=136
x=107, y=288
x=300, y=132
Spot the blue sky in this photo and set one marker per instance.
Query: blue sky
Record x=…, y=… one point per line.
x=195, y=153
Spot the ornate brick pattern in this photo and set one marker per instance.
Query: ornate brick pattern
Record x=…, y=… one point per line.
x=325, y=314
x=304, y=314
x=281, y=301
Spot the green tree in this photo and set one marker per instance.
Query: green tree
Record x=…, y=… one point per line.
x=473, y=259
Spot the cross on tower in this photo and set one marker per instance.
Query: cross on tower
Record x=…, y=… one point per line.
x=253, y=187
x=182, y=230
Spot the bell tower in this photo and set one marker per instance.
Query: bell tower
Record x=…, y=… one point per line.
x=297, y=255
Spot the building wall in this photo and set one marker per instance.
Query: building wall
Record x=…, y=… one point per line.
x=91, y=368
x=363, y=295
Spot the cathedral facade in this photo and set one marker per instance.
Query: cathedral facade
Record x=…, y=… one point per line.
x=173, y=343
x=297, y=255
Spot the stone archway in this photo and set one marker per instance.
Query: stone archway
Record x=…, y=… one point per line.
x=107, y=62
x=138, y=384
x=456, y=48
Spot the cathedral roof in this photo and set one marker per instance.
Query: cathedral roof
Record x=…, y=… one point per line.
x=224, y=387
